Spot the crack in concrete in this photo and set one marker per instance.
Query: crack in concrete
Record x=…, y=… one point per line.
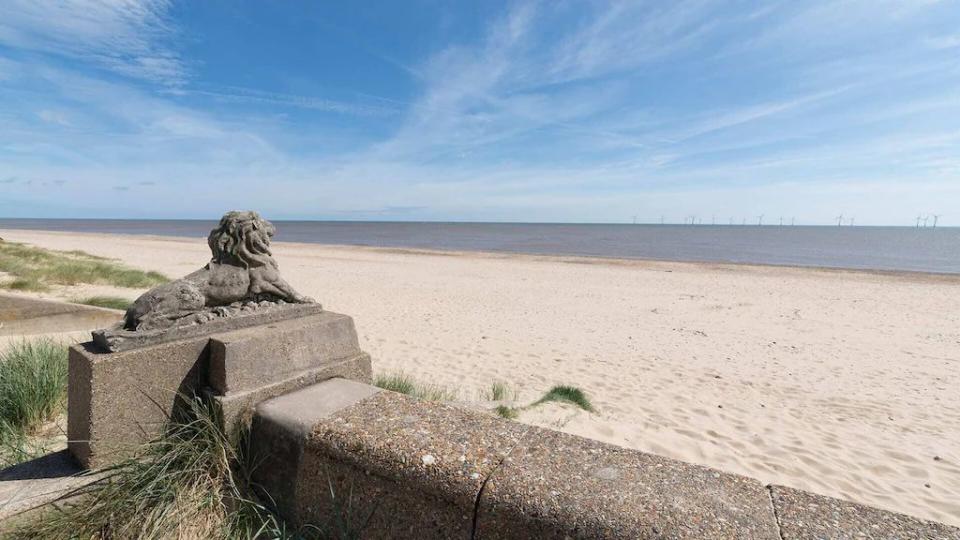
x=483, y=485
x=773, y=508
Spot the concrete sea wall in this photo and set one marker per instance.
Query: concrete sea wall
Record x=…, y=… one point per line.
x=342, y=453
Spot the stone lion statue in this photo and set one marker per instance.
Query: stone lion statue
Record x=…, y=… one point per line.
x=242, y=270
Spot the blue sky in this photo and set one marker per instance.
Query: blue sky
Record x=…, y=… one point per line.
x=489, y=111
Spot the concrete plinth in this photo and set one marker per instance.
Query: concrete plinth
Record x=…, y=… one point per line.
x=120, y=400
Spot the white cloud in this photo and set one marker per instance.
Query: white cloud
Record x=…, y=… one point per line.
x=54, y=117
x=534, y=121
x=124, y=36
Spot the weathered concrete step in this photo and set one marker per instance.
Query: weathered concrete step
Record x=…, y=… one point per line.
x=29, y=316
x=254, y=357
x=237, y=407
x=39, y=481
x=282, y=426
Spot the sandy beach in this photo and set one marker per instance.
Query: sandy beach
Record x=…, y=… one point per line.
x=843, y=383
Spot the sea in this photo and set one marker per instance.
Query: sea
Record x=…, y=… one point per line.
x=935, y=250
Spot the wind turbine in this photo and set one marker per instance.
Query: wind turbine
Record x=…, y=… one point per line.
x=925, y=218
x=840, y=220
x=760, y=220
x=918, y=220
x=781, y=221
x=936, y=218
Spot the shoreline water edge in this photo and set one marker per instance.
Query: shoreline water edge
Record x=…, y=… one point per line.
x=853, y=248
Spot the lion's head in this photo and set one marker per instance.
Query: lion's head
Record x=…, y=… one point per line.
x=242, y=238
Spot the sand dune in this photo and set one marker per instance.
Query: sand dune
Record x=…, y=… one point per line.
x=843, y=383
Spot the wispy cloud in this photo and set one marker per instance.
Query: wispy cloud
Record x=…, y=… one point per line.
x=129, y=37
x=551, y=111
x=727, y=119
x=626, y=35
x=54, y=117
x=374, y=107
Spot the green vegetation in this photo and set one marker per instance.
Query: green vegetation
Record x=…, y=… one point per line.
x=35, y=269
x=396, y=382
x=112, y=302
x=194, y=481
x=188, y=483
x=566, y=394
x=557, y=394
x=405, y=384
x=33, y=392
x=499, y=391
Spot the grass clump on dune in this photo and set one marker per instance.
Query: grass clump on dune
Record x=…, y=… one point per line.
x=33, y=392
x=405, y=384
x=35, y=269
x=499, y=391
x=112, y=302
x=566, y=394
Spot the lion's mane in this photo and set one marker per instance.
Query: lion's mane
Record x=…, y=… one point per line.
x=242, y=238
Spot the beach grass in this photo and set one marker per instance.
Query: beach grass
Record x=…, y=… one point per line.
x=191, y=482
x=566, y=394
x=396, y=382
x=405, y=384
x=33, y=393
x=510, y=413
x=36, y=269
x=499, y=391
x=112, y=302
